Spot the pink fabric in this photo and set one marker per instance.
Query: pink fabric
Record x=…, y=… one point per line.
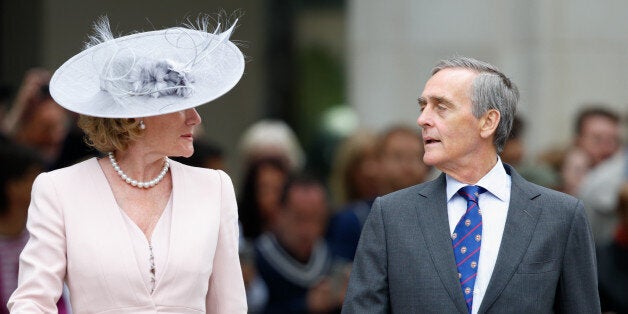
x=10, y=249
x=78, y=234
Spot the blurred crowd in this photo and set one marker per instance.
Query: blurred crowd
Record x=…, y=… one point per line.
x=300, y=225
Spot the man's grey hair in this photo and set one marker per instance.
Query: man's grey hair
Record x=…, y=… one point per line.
x=491, y=90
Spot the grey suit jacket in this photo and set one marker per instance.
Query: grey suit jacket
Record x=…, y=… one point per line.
x=405, y=263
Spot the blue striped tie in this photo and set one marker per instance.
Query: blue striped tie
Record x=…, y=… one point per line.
x=466, y=241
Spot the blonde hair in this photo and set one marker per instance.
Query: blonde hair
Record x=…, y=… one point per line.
x=347, y=158
x=109, y=134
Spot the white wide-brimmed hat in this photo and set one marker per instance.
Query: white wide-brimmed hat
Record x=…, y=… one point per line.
x=149, y=73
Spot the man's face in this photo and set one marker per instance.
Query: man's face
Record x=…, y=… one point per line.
x=599, y=138
x=303, y=221
x=451, y=133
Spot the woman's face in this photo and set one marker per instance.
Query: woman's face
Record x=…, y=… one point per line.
x=171, y=134
x=46, y=128
x=269, y=185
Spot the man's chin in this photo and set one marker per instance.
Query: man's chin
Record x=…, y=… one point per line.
x=431, y=160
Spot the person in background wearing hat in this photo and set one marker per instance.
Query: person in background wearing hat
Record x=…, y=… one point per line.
x=479, y=238
x=136, y=232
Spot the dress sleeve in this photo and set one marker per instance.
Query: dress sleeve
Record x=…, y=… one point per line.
x=226, y=292
x=43, y=261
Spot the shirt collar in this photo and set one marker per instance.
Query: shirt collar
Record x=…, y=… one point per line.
x=493, y=182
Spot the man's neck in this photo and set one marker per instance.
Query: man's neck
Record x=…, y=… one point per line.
x=472, y=173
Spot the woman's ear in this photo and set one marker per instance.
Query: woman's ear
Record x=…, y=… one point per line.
x=489, y=123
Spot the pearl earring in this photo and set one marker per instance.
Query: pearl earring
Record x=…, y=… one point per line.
x=142, y=125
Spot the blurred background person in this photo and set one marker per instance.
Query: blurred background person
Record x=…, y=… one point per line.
x=355, y=181
x=597, y=138
x=599, y=191
x=598, y=132
x=259, y=198
x=593, y=170
x=20, y=166
x=32, y=82
x=271, y=138
x=613, y=261
x=36, y=120
x=5, y=101
x=514, y=154
x=401, y=153
x=258, y=209
x=355, y=175
x=294, y=260
x=256, y=290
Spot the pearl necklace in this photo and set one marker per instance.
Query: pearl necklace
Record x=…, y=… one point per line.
x=135, y=183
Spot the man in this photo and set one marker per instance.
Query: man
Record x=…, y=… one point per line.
x=597, y=139
x=294, y=260
x=534, y=253
x=599, y=191
x=598, y=178
x=598, y=132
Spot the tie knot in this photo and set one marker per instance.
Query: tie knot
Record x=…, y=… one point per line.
x=471, y=192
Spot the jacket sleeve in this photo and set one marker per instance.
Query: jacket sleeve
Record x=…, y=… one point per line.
x=226, y=292
x=42, y=265
x=368, y=283
x=577, y=291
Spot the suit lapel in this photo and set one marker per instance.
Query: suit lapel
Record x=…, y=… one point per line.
x=176, y=223
x=521, y=221
x=432, y=217
x=107, y=222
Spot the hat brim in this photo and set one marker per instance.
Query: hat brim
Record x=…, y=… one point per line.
x=76, y=84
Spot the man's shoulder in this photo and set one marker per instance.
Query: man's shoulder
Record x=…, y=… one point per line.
x=555, y=205
x=413, y=194
x=534, y=191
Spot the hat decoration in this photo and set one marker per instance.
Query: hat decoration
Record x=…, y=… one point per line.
x=148, y=73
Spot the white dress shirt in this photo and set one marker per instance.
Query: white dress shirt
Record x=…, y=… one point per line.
x=494, y=204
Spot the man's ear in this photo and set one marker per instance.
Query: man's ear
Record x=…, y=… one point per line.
x=489, y=123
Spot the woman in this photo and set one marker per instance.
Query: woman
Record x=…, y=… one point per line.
x=135, y=232
x=40, y=123
x=356, y=180
x=259, y=201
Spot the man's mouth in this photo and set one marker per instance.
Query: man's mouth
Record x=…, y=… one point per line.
x=430, y=141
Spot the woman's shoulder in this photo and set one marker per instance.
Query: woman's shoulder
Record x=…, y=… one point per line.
x=79, y=168
x=68, y=178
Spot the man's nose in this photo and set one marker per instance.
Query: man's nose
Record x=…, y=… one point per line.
x=424, y=118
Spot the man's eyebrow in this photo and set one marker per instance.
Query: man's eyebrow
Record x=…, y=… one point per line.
x=437, y=99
